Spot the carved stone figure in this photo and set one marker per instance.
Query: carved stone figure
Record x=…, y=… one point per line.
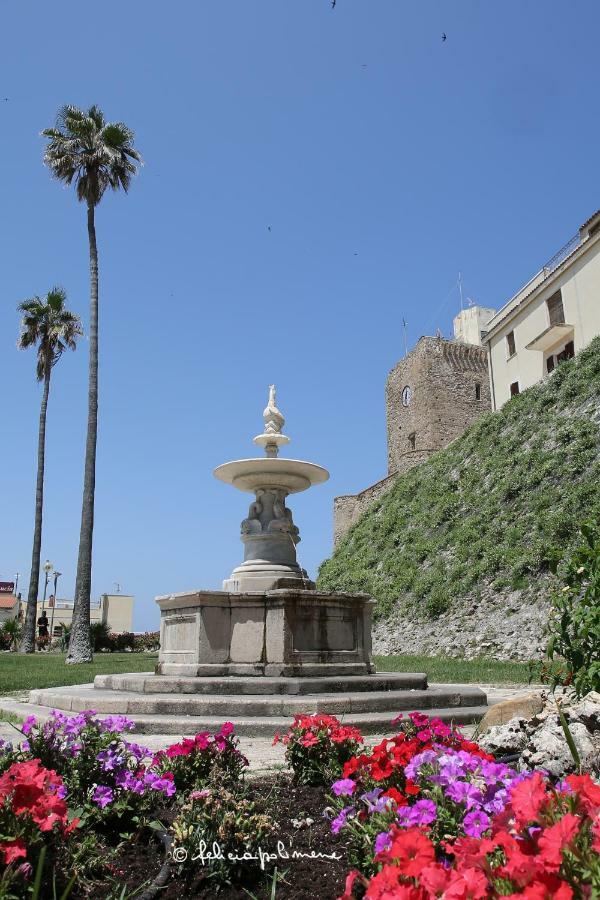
x=273, y=419
x=252, y=525
x=282, y=518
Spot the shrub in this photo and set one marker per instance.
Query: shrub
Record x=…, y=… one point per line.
x=220, y=833
x=197, y=761
x=108, y=777
x=575, y=619
x=317, y=747
x=149, y=640
x=99, y=636
x=546, y=842
x=410, y=779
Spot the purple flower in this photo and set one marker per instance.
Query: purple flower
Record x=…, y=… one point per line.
x=412, y=769
x=424, y=812
x=102, y=796
x=25, y=745
x=475, y=823
x=465, y=793
x=28, y=724
x=61, y=792
x=374, y=802
x=110, y=759
x=116, y=723
x=340, y=820
x=343, y=787
x=382, y=842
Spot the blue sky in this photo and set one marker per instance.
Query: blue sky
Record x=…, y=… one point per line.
x=384, y=161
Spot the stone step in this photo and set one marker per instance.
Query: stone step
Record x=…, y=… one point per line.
x=248, y=726
x=80, y=697
x=147, y=683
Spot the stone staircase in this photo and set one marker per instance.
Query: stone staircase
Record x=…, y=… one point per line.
x=259, y=706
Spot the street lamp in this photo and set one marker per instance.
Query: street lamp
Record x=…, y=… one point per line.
x=47, y=567
x=56, y=577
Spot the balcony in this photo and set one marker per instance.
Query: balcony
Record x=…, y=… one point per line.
x=551, y=336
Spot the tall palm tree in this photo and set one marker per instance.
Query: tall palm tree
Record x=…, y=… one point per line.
x=95, y=155
x=50, y=326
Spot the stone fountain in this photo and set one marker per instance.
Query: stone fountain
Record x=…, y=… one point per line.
x=268, y=619
x=267, y=646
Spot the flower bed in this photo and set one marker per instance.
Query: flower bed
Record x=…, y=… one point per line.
x=424, y=814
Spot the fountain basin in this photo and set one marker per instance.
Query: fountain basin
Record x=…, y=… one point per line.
x=289, y=475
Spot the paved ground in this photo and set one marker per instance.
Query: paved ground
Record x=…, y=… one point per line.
x=261, y=753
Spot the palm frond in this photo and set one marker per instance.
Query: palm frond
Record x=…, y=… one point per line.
x=50, y=326
x=94, y=154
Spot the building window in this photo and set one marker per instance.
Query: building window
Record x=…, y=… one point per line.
x=514, y=389
x=510, y=343
x=556, y=312
x=477, y=390
x=412, y=441
x=569, y=350
x=550, y=364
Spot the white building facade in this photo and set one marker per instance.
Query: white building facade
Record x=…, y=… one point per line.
x=552, y=317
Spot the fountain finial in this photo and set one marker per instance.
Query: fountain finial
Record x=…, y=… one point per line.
x=272, y=437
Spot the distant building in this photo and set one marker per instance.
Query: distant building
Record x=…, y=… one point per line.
x=553, y=317
x=9, y=607
x=115, y=610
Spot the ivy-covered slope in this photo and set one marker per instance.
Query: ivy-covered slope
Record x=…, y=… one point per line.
x=486, y=515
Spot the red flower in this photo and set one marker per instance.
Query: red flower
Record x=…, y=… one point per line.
x=556, y=838
x=309, y=739
x=410, y=850
x=527, y=798
x=434, y=878
x=386, y=885
x=588, y=791
x=396, y=796
x=13, y=850
x=468, y=884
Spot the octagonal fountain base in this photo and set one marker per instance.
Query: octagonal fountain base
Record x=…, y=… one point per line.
x=279, y=632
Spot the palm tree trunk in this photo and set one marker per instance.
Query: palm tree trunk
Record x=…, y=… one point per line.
x=79, y=646
x=28, y=640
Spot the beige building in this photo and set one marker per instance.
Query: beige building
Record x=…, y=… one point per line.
x=116, y=610
x=553, y=317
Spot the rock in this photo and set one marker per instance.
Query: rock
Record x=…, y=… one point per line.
x=548, y=749
x=505, y=739
x=501, y=713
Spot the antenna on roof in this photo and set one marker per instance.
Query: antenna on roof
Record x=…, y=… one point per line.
x=117, y=587
x=461, y=291
x=404, y=329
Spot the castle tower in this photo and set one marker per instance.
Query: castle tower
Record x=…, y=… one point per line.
x=432, y=395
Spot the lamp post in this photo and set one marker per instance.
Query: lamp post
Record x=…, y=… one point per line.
x=56, y=577
x=47, y=569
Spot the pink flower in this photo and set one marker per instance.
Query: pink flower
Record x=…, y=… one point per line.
x=226, y=728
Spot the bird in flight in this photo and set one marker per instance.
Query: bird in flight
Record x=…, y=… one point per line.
x=268, y=227
x=333, y=2
x=5, y=99
x=443, y=35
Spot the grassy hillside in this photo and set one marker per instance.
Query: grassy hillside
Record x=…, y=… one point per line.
x=491, y=510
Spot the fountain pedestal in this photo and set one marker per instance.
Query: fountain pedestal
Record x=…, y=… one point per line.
x=276, y=632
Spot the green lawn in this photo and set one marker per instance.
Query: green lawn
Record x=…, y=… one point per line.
x=40, y=670
x=461, y=671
